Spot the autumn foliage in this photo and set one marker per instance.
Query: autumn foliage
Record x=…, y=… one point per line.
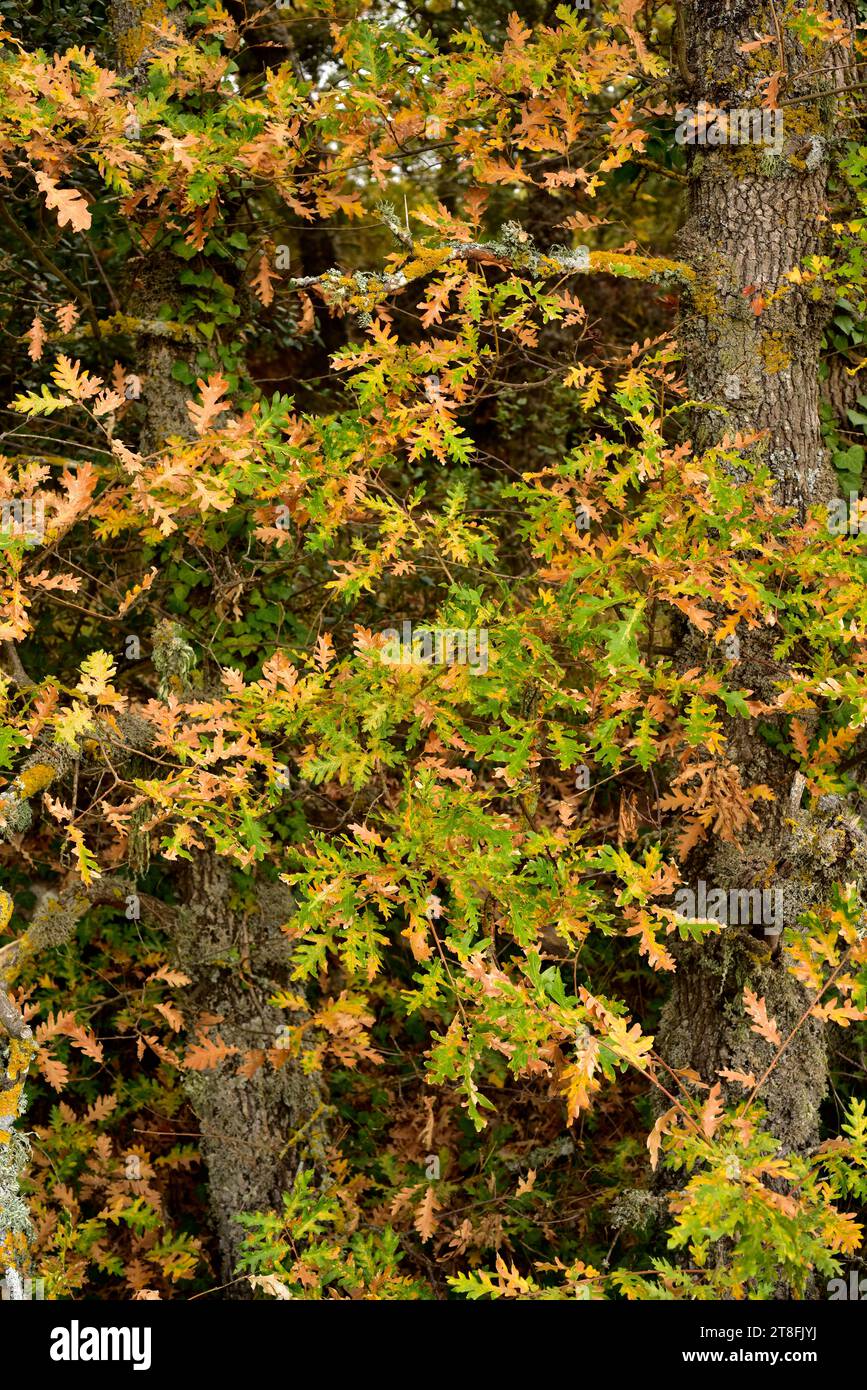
x=302, y=346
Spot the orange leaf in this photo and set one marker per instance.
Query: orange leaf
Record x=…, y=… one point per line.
x=67, y=316
x=171, y=977
x=207, y=1053
x=324, y=651
x=173, y=1016
x=654, y=1138
x=743, y=1078
x=56, y=1073
x=764, y=1026
x=712, y=1112
x=68, y=202
x=36, y=338
x=799, y=738
x=772, y=89
x=213, y=404
x=308, y=318
x=263, y=279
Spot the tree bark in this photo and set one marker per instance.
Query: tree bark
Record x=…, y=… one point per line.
x=753, y=366
x=259, y=1130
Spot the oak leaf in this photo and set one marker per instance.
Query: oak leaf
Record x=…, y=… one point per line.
x=68, y=203
x=213, y=403
x=711, y=1112
x=36, y=338
x=425, y=1221
x=758, y=1012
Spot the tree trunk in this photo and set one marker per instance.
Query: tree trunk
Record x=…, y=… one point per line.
x=754, y=215
x=258, y=1130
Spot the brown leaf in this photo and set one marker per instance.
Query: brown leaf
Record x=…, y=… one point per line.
x=526, y=1184
x=308, y=318
x=425, y=1221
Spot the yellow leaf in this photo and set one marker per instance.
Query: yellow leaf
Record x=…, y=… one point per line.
x=87, y=865
x=96, y=674
x=70, y=723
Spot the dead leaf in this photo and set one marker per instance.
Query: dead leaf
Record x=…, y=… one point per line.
x=36, y=338
x=424, y=1220
x=68, y=203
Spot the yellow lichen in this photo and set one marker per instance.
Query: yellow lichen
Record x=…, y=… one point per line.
x=36, y=778
x=13, y=1249
x=705, y=301
x=20, y=1056
x=774, y=353
x=134, y=32
x=639, y=267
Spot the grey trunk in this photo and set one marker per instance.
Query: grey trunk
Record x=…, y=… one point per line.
x=754, y=215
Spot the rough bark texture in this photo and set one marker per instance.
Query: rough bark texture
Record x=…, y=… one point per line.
x=759, y=371
x=755, y=213
x=160, y=344
x=257, y=1131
